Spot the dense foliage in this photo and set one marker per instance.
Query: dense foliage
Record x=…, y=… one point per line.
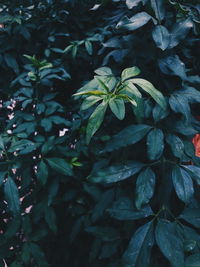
x=99, y=105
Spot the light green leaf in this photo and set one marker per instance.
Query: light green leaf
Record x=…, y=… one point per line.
x=129, y=73
x=116, y=172
x=90, y=101
x=169, y=243
x=60, y=165
x=145, y=186
x=152, y=91
x=88, y=46
x=104, y=71
x=95, y=120
x=155, y=144
x=183, y=184
x=95, y=92
x=138, y=253
x=118, y=108
x=12, y=196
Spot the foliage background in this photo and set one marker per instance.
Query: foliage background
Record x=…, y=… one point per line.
x=131, y=196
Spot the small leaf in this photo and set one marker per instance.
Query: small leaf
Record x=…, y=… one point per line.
x=155, y=144
x=145, y=185
x=42, y=172
x=89, y=102
x=152, y=91
x=138, y=252
x=169, y=243
x=116, y=172
x=12, y=196
x=95, y=120
x=104, y=71
x=183, y=184
x=88, y=46
x=159, y=9
x=129, y=73
x=60, y=165
x=161, y=37
x=176, y=144
x=118, y=108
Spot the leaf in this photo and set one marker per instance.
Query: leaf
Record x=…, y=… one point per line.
x=179, y=104
x=90, y=101
x=90, y=93
x=95, y=120
x=42, y=172
x=169, y=243
x=193, y=260
x=116, y=173
x=159, y=9
x=60, y=165
x=133, y=3
x=159, y=114
x=152, y=91
x=128, y=136
x=104, y=233
x=183, y=184
x=194, y=172
x=102, y=84
x=129, y=73
x=118, y=108
x=135, y=22
x=138, y=253
x=176, y=145
x=88, y=46
x=145, y=186
x=191, y=214
x=123, y=210
x=12, y=196
x=11, y=62
x=104, y=71
x=130, y=89
x=2, y=176
x=179, y=31
x=50, y=218
x=155, y=144
x=161, y=37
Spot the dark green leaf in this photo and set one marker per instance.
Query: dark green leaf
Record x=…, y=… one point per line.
x=155, y=144
x=116, y=172
x=12, y=196
x=193, y=260
x=145, y=186
x=42, y=172
x=60, y=165
x=176, y=145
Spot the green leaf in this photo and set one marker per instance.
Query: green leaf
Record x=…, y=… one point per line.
x=90, y=101
x=92, y=93
x=2, y=176
x=88, y=46
x=116, y=172
x=95, y=120
x=12, y=196
x=42, y=172
x=129, y=73
x=179, y=104
x=169, y=243
x=50, y=218
x=128, y=136
x=183, y=184
x=118, y=108
x=138, y=253
x=159, y=113
x=159, y=9
x=145, y=186
x=193, y=260
x=194, y=172
x=152, y=91
x=155, y=144
x=176, y=144
x=60, y=165
x=133, y=23
x=102, y=84
x=191, y=214
x=130, y=89
x=104, y=71
x=161, y=37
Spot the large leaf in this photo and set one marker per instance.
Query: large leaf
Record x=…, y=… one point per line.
x=160, y=36
x=183, y=184
x=194, y=171
x=145, y=186
x=95, y=120
x=118, y=108
x=116, y=172
x=138, y=252
x=130, y=135
x=191, y=214
x=159, y=9
x=179, y=104
x=193, y=260
x=60, y=165
x=90, y=101
x=151, y=90
x=169, y=243
x=155, y=144
x=133, y=23
x=12, y=196
x=180, y=31
x=176, y=144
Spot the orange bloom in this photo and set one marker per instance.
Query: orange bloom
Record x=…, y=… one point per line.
x=196, y=142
